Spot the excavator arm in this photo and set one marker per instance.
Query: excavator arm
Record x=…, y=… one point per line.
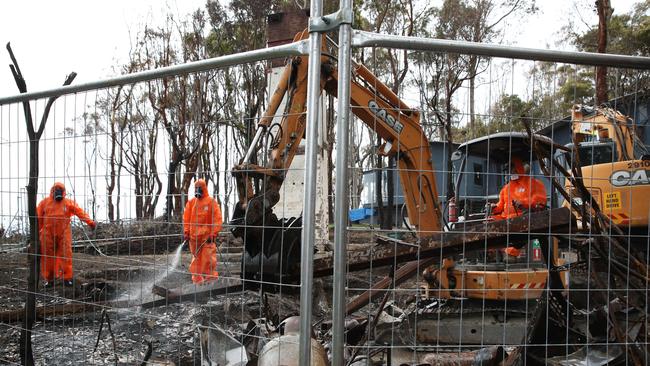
x=606, y=123
x=383, y=112
x=375, y=105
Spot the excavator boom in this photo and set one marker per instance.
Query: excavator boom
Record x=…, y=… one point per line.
x=376, y=106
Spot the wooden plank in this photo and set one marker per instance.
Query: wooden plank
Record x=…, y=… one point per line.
x=404, y=273
x=193, y=292
x=53, y=310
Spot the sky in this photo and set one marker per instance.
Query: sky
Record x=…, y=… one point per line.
x=52, y=38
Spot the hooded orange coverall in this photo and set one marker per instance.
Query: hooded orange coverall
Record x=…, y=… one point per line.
x=55, y=234
x=202, y=222
x=526, y=192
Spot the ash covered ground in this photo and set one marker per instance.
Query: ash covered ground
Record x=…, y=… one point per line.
x=165, y=334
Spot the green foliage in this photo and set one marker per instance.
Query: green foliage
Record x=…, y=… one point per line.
x=441, y=75
x=579, y=89
x=506, y=115
x=237, y=27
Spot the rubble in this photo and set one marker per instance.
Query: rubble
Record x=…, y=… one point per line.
x=220, y=348
x=159, y=316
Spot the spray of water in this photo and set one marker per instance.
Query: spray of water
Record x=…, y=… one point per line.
x=145, y=286
x=177, y=258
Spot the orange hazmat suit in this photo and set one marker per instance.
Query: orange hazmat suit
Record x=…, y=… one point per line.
x=202, y=222
x=522, y=193
x=54, y=213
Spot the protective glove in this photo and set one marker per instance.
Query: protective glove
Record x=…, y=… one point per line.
x=512, y=251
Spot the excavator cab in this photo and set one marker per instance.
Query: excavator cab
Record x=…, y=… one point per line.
x=481, y=169
x=594, y=152
x=615, y=167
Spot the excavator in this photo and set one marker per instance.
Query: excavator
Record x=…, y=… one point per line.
x=615, y=167
x=272, y=244
x=480, y=286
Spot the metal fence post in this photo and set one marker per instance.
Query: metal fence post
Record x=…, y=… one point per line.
x=309, y=203
x=341, y=190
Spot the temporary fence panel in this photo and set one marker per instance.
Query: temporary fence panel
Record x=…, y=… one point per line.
x=521, y=233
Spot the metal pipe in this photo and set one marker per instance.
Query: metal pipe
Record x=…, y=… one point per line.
x=291, y=49
x=253, y=144
x=368, y=39
x=341, y=190
x=309, y=202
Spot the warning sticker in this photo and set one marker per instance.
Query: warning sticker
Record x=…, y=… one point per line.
x=613, y=200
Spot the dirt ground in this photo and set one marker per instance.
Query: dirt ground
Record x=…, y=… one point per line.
x=171, y=330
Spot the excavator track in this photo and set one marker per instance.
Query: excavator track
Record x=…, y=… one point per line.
x=472, y=321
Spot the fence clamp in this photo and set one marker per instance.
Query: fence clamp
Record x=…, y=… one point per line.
x=330, y=21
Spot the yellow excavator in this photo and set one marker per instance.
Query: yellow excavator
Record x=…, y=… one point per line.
x=495, y=288
x=615, y=167
x=272, y=245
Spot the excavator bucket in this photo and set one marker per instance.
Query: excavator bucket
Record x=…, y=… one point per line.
x=271, y=249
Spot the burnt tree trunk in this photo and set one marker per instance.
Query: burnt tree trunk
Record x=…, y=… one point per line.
x=191, y=170
x=156, y=188
x=110, y=187
x=171, y=186
x=118, y=183
x=472, y=111
x=26, y=354
x=330, y=161
x=379, y=194
x=390, y=191
x=449, y=140
x=137, y=176
x=603, y=9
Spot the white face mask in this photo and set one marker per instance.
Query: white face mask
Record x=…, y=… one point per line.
x=514, y=177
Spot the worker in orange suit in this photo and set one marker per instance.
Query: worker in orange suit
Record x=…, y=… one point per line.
x=522, y=193
x=54, y=213
x=202, y=222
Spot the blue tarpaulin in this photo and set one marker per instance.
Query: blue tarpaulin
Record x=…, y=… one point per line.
x=361, y=213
